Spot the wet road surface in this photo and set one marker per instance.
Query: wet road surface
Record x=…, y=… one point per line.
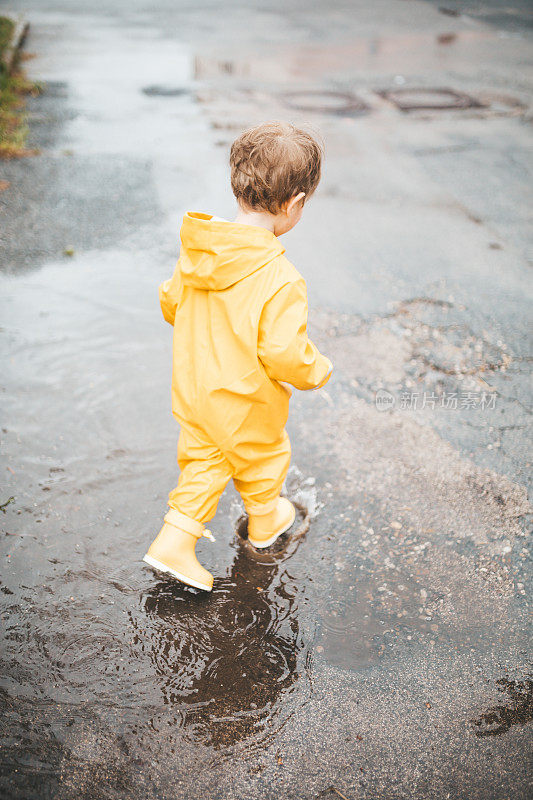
x=383, y=650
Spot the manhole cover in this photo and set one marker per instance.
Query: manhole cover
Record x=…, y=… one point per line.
x=164, y=91
x=430, y=99
x=343, y=103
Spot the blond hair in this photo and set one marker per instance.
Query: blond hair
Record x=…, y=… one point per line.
x=273, y=162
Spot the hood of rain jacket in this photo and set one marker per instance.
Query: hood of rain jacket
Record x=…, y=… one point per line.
x=216, y=254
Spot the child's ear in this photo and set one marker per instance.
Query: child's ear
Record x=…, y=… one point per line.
x=298, y=199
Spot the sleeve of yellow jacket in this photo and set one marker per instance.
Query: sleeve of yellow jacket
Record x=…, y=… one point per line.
x=283, y=345
x=169, y=296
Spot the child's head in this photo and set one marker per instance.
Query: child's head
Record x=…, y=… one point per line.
x=275, y=168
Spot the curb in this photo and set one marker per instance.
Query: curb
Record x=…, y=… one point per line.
x=20, y=31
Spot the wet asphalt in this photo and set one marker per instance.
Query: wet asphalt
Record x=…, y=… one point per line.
x=383, y=649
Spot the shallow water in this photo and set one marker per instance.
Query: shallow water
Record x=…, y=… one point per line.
x=225, y=659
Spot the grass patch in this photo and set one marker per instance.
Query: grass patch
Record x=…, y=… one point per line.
x=6, y=31
x=14, y=89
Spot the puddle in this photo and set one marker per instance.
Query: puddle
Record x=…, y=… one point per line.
x=386, y=600
x=227, y=660
x=217, y=669
x=371, y=615
x=366, y=616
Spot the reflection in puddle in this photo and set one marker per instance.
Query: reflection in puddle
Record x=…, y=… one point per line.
x=227, y=657
x=517, y=711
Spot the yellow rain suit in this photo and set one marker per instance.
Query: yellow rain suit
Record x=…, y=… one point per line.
x=239, y=311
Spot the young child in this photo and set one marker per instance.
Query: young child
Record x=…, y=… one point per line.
x=239, y=311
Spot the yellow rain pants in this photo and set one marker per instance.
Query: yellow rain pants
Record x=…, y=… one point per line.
x=239, y=311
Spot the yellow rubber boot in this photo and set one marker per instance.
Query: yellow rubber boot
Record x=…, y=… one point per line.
x=173, y=550
x=265, y=528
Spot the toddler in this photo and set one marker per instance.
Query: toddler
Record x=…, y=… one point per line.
x=239, y=311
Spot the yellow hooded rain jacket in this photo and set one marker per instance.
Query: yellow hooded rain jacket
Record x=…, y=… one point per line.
x=239, y=311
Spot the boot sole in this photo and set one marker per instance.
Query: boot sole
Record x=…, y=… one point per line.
x=183, y=578
x=268, y=542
